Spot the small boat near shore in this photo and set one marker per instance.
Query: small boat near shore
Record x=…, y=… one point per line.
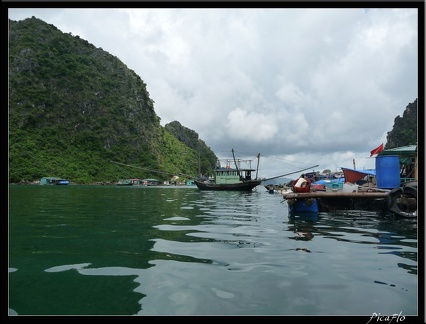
x=227, y=178
x=54, y=181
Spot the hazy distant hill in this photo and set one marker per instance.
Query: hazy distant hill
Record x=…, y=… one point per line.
x=74, y=108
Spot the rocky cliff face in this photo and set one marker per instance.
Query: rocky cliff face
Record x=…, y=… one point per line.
x=58, y=79
x=404, y=131
x=74, y=107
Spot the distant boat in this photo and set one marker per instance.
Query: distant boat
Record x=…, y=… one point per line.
x=231, y=178
x=54, y=181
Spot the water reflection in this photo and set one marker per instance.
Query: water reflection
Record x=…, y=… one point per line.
x=389, y=234
x=302, y=225
x=135, y=251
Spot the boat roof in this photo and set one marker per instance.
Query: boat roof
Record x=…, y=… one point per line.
x=402, y=150
x=53, y=178
x=405, y=153
x=325, y=181
x=233, y=169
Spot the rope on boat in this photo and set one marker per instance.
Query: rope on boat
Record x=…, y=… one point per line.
x=283, y=175
x=157, y=171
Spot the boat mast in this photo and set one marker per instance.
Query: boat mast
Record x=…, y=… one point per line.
x=235, y=162
x=257, y=168
x=199, y=160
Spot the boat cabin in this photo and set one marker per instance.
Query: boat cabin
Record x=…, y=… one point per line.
x=230, y=175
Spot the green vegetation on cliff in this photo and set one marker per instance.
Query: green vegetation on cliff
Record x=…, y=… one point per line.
x=404, y=131
x=74, y=108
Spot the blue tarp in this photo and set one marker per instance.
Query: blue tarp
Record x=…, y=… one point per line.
x=323, y=182
x=366, y=172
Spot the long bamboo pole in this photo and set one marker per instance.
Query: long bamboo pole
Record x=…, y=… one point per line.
x=283, y=175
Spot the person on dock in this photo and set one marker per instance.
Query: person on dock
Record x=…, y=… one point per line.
x=303, y=184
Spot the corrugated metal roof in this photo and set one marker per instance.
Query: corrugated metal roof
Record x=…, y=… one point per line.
x=402, y=150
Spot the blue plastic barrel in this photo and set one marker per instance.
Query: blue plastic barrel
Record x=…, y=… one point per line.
x=387, y=171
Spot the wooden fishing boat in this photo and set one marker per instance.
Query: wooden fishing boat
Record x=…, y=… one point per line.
x=247, y=185
x=227, y=178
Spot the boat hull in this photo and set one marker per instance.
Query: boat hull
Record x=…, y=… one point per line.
x=240, y=186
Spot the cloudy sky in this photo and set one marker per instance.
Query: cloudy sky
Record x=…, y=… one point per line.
x=302, y=87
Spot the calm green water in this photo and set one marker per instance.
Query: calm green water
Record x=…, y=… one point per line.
x=105, y=250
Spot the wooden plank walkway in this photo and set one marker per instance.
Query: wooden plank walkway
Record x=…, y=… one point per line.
x=340, y=194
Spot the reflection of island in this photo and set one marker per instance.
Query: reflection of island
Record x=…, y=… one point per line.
x=171, y=283
x=302, y=226
x=112, y=292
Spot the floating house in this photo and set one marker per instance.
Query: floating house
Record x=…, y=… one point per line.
x=408, y=162
x=138, y=182
x=393, y=187
x=53, y=181
x=150, y=182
